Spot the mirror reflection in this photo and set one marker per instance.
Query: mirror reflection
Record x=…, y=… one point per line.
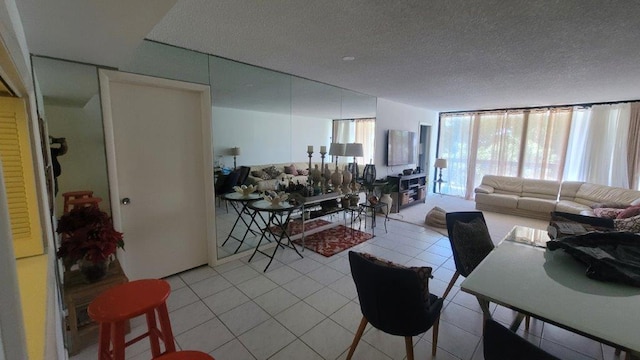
x=69, y=102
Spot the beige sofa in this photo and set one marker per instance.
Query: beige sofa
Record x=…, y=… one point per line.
x=517, y=196
x=578, y=197
x=283, y=177
x=538, y=198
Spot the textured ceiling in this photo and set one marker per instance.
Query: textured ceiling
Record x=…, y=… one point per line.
x=441, y=55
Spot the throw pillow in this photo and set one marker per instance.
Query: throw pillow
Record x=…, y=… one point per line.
x=607, y=213
x=436, y=217
x=613, y=205
x=291, y=170
x=472, y=243
x=423, y=272
x=272, y=171
x=260, y=175
x=304, y=172
x=629, y=212
x=631, y=224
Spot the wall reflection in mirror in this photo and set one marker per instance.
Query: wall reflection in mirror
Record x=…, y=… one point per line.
x=69, y=102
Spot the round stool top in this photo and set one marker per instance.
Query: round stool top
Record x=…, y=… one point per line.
x=185, y=355
x=129, y=300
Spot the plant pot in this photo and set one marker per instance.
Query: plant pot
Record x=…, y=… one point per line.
x=387, y=199
x=93, y=272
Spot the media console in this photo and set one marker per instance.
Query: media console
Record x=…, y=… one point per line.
x=412, y=189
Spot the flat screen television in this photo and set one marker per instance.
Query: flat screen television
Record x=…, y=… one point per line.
x=402, y=147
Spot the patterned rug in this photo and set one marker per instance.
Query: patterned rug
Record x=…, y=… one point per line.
x=332, y=241
x=295, y=226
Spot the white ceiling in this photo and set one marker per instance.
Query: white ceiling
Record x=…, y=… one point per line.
x=442, y=55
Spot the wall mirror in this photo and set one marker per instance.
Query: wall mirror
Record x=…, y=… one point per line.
x=69, y=102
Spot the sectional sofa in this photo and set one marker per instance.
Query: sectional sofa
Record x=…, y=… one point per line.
x=267, y=176
x=538, y=198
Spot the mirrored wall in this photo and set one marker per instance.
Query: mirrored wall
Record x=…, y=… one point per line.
x=69, y=102
x=270, y=116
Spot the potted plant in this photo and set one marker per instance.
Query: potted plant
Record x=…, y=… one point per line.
x=89, y=240
x=386, y=198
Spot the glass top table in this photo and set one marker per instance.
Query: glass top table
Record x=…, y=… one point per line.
x=239, y=204
x=553, y=287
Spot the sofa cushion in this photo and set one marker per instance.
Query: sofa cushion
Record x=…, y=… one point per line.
x=291, y=169
x=541, y=189
x=569, y=189
x=537, y=205
x=593, y=193
x=503, y=200
x=610, y=205
x=572, y=207
x=503, y=184
x=483, y=189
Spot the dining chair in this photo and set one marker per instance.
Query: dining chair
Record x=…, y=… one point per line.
x=225, y=185
x=394, y=299
x=470, y=242
x=500, y=343
x=244, y=174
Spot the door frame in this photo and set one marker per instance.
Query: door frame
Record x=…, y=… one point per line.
x=106, y=77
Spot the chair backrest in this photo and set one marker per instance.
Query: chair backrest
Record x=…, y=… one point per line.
x=228, y=182
x=391, y=297
x=470, y=244
x=244, y=174
x=501, y=343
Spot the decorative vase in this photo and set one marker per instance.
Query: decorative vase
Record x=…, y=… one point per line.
x=93, y=272
x=316, y=176
x=387, y=199
x=336, y=178
x=353, y=200
x=327, y=172
x=346, y=176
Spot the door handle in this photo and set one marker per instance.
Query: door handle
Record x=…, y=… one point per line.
x=125, y=201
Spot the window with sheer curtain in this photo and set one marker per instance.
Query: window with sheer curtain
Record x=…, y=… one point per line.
x=356, y=131
x=527, y=143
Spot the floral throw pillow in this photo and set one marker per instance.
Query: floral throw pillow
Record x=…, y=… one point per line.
x=272, y=171
x=607, y=213
x=423, y=272
x=291, y=170
x=629, y=212
x=631, y=224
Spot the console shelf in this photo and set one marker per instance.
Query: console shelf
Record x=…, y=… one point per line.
x=412, y=189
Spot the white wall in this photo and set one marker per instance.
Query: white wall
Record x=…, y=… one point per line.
x=395, y=116
x=267, y=138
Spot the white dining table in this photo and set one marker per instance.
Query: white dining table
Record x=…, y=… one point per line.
x=552, y=286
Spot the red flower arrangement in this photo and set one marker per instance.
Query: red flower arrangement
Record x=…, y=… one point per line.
x=87, y=233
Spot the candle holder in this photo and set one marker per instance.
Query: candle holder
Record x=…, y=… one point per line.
x=324, y=180
x=309, y=174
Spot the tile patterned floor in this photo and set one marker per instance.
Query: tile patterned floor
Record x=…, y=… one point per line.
x=308, y=308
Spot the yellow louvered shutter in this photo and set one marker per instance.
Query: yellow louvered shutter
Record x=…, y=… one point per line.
x=17, y=165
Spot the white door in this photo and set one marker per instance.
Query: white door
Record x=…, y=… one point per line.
x=160, y=161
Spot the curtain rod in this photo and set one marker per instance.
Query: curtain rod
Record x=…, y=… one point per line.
x=583, y=105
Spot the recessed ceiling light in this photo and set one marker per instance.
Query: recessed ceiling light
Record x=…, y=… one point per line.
x=348, y=58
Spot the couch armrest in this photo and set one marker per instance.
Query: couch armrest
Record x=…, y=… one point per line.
x=483, y=189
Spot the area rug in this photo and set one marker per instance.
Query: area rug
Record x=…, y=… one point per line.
x=334, y=240
x=295, y=227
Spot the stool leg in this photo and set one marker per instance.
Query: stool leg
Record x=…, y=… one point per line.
x=117, y=337
x=152, y=328
x=104, y=342
x=165, y=326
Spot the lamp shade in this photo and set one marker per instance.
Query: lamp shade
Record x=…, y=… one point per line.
x=337, y=149
x=235, y=151
x=441, y=163
x=354, y=149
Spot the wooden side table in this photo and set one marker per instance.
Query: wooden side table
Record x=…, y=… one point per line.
x=78, y=294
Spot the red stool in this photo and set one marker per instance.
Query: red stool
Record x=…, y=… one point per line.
x=84, y=202
x=114, y=307
x=185, y=355
x=73, y=195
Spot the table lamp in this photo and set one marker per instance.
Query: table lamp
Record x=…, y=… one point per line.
x=355, y=150
x=235, y=151
x=440, y=164
x=336, y=150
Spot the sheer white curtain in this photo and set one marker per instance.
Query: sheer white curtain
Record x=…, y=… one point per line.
x=356, y=131
x=597, y=150
x=455, y=146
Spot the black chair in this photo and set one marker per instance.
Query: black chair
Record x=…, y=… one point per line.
x=501, y=343
x=392, y=300
x=225, y=185
x=244, y=174
x=468, y=251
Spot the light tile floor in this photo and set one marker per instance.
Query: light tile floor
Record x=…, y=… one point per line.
x=308, y=308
